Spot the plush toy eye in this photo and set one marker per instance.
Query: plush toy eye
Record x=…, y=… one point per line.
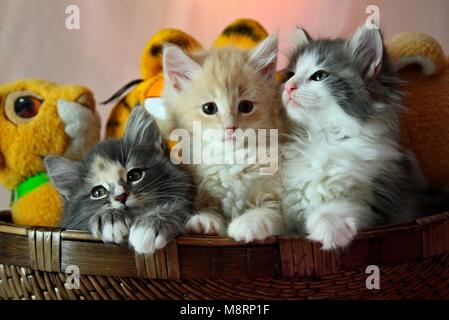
x=134, y=175
x=27, y=107
x=98, y=192
x=210, y=108
x=22, y=106
x=319, y=75
x=246, y=106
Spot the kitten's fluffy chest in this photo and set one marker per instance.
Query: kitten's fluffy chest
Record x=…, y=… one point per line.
x=237, y=187
x=323, y=167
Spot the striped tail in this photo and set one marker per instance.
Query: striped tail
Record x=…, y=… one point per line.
x=243, y=33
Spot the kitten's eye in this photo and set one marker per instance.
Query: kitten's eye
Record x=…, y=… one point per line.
x=286, y=75
x=134, y=175
x=246, y=106
x=98, y=192
x=319, y=75
x=210, y=108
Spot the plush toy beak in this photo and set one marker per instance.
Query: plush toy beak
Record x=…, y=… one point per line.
x=82, y=124
x=87, y=100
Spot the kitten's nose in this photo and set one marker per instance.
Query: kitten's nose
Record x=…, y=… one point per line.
x=290, y=87
x=122, y=198
x=231, y=128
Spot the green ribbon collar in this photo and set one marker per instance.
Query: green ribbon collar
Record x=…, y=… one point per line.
x=28, y=185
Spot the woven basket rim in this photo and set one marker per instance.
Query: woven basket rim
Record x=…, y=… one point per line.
x=189, y=257
x=190, y=239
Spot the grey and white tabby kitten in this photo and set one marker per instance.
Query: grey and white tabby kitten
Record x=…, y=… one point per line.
x=343, y=169
x=125, y=187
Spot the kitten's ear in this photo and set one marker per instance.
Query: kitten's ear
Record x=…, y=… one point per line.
x=265, y=55
x=299, y=38
x=142, y=129
x=367, y=44
x=178, y=67
x=64, y=174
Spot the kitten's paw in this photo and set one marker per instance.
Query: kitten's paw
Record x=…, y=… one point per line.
x=146, y=238
x=110, y=227
x=255, y=224
x=333, y=231
x=205, y=223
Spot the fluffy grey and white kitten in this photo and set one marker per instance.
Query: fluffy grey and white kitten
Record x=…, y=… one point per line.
x=126, y=186
x=343, y=169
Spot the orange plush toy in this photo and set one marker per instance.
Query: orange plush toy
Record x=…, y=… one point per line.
x=423, y=66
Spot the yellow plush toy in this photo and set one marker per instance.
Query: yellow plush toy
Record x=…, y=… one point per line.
x=243, y=33
x=38, y=117
x=423, y=66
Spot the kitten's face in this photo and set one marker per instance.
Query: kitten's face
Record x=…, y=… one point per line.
x=225, y=89
x=330, y=80
x=122, y=178
x=309, y=88
x=112, y=184
x=130, y=175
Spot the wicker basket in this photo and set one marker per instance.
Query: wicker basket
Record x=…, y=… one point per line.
x=413, y=260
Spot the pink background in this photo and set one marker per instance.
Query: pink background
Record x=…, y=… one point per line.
x=104, y=54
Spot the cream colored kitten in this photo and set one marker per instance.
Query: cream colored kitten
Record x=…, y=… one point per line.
x=227, y=89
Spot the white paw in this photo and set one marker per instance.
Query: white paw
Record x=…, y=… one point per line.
x=111, y=228
x=205, y=223
x=333, y=231
x=253, y=225
x=145, y=240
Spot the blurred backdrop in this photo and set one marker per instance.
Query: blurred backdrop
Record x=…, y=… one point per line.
x=105, y=52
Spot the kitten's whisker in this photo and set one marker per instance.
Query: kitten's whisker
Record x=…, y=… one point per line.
x=155, y=196
x=161, y=183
